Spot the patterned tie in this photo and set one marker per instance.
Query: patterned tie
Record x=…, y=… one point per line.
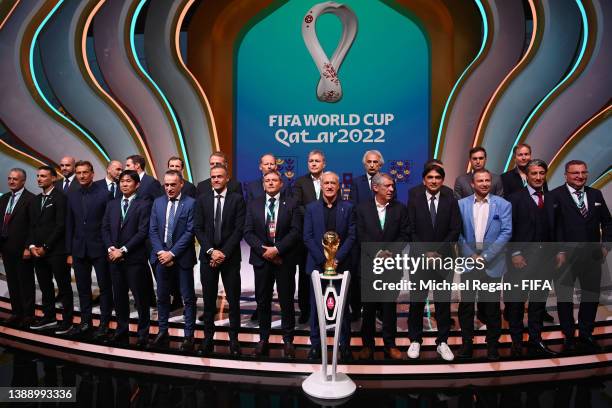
x=432, y=210
x=581, y=206
x=217, y=235
x=540, y=199
x=270, y=220
x=66, y=185
x=7, y=215
x=112, y=190
x=126, y=205
x=171, y=222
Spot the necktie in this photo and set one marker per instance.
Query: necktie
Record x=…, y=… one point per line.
x=270, y=220
x=126, y=205
x=112, y=190
x=66, y=184
x=217, y=234
x=7, y=215
x=171, y=223
x=581, y=206
x=432, y=210
x=540, y=199
x=43, y=201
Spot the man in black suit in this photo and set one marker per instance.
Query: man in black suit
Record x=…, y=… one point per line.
x=383, y=225
x=419, y=189
x=206, y=187
x=178, y=164
x=125, y=227
x=435, y=221
x=47, y=244
x=478, y=160
x=516, y=179
x=219, y=223
x=306, y=190
x=111, y=181
x=69, y=182
x=14, y=206
x=579, y=215
x=84, y=213
x=529, y=259
x=149, y=188
x=272, y=230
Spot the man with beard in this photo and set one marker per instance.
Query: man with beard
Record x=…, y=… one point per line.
x=111, y=181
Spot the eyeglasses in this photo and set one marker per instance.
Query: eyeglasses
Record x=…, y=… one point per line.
x=578, y=173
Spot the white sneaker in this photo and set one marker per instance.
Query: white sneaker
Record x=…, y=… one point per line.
x=414, y=350
x=445, y=352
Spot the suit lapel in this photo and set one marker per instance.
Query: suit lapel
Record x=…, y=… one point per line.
x=570, y=200
x=226, y=205
x=469, y=218
x=590, y=202
x=282, y=212
x=422, y=202
x=179, y=209
x=310, y=186
x=340, y=211
x=492, y=209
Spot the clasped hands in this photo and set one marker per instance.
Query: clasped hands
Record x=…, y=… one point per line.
x=271, y=254
x=216, y=258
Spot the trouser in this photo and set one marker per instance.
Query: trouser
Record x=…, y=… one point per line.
x=46, y=269
x=417, y=305
x=125, y=278
x=265, y=276
x=488, y=304
x=82, y=272
x=389, y=323
x=20, y=282
x=230, y=274
x=303, y=284
x=164, y=276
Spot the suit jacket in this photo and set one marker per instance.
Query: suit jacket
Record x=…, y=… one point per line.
x=392, y=237
x=254, y=189
x=304, y=191
x=446, y=229
x=74, y=185
x=183, y=244
x=232, y=225
x=205, y=187
x=360, y=190
x=570, y=226
x=497, y=233
x=84, y=213
x=513, y=182
x=288, y=229
x=463, y=186
x=102, y=183
x=314, y=228
x=134, y=231
x=420, y=189
x=18, y=226
x=48, y=224
x=149, y=188
x=189, y=189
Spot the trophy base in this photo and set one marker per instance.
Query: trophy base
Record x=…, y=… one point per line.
x=318, y=386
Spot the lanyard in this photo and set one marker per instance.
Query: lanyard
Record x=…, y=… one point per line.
x=11, y=204
x=125, y=209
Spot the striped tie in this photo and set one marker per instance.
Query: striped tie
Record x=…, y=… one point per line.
x=581, y=206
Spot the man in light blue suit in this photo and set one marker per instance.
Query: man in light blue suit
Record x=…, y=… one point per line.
x=487, y=227
x=171, y=231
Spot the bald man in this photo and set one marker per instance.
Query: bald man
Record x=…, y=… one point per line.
x=111, y=181
x=68, y=182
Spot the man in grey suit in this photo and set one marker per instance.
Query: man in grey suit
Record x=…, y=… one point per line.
x=463, y=183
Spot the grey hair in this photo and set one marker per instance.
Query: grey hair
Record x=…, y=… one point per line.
x=376, y=152
x=19, y=170
x=378, y=178
x=319, y=152
x=331, y=173
x=538, y=163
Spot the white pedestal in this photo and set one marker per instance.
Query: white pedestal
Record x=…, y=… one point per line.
x=316, y=385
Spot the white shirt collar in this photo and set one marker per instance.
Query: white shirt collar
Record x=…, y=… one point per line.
x=18, y=192
x=178, y=197
x=141, y=175
x=429, y=195
x=487, y=198
x=572, y=190
x=380, y=205
x=130, y=198
x=276, y=197
x=223, y=193
x=50, y=191
x=109, y=182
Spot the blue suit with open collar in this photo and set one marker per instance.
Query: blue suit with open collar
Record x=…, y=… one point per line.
x=183, y=248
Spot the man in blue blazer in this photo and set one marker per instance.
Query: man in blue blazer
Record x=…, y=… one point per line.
x=84, y=214
x=328, y=214
x=172, y=238
x=149, y=188
x=125, y=228
x=487, y=227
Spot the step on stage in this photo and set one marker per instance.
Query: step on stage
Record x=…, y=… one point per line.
x=428, y=371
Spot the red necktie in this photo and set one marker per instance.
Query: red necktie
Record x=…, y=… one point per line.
x=540, y=199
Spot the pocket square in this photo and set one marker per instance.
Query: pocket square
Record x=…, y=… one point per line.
x=597, y=204
x=496, y=217
x=49, y=205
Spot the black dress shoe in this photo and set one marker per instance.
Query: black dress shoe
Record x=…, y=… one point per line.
x=101, y=332
x=569, y=345
x=162, y=340
x=589, y=344
x=466, y=350
x=120, y=339
x=206, y=348
x=516, y=349
x=234, y=347
x=492, y=352
x=143, y=341
x=481, y=316
x=304, y=317
x=176, y=305
x=314, y=353
x=289, y=350
x=187, y=345
x=345, y=355
x=14, y=320
x=255, y=316
x=79, y=330
x=539, y=349
x=547, y=317
x=26, y=322
x=201, y=317
x=261, y=349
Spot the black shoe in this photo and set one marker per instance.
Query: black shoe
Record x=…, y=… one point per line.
x=588, y=344
x=44, y=324
x=289, y=350
x=14, y=320
x=201, y=317
x=120, y=339
x=492, y=352
x=63, y=328
x=539, y=349
x=466, y=350
x=187, y=345
x=95, y=300
x=547, y=317
x=234, y=347
x=481, y=316
x=176, y=304
x=143, y=341
x=314, y=353
x=304, y=317
x=162, y=340
x=101, y=332
x=516, y=349
x=79, y=330
x=255, y=316
x=261, y=349
x=206, y=348
x=345, y=355
x=569, y=345
x=26, y=322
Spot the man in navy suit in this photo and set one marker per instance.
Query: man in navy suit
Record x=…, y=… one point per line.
x=516, y=179
x=178, y=164
x=149, y=188
x=84, y=215
x=272, y=229
x=329, y=214
x=219, y=225
x=69, y=183
x=111, y=181
x=206, y=187
x=579, y=215
x=125, y=228
x=487, y=227
x=172, y=238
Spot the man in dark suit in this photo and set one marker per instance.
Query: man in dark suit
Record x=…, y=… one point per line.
x=516, y=179
x=435, y=221
x=68, y=183
x=272, y=230
x=47, y=244
x=218, y=226
x=384, y=227
x=125, y=228
x=478, y=160
x=149, y=188
x=529, y=259
x=306, y=190
x=177, y=164
x=579, y=215
x=171, y=230
x=14, y=206
x=206, y=187
x=419, y=189
x=111, y=181
x=84, y=213
x=329, y=214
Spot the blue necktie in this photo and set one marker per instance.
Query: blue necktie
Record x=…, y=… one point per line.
x=171, y=223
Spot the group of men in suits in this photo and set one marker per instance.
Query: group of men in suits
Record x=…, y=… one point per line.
x=128, y=224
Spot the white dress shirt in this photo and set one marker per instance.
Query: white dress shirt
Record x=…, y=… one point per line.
x=382, y=212
x=436, y=201
x=481, y=215
x=317, y=185
x=10, y=207
x=276, y=207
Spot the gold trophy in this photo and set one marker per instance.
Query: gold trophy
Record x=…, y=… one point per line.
x=331, y=243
